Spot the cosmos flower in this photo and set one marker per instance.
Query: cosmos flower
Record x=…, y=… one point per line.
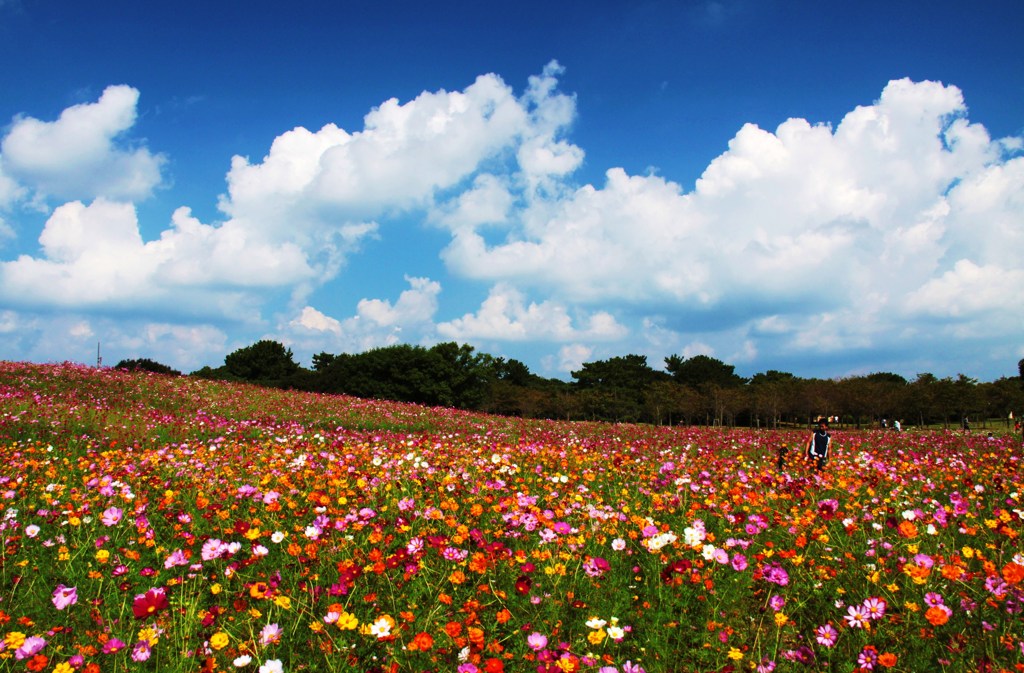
x=64, y=597
x=149, y=603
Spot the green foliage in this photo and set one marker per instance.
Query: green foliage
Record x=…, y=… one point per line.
x=614, y=389
x=263, y=361
x=146, y=365
x=445, y=375
x=702, y=370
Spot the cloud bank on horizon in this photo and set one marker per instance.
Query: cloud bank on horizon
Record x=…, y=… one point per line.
x=893, y=236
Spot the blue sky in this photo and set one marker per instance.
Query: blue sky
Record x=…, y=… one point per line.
x=824, y=189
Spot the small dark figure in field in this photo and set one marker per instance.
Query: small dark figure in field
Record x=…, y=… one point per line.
x=818, y=445
x=781, y=463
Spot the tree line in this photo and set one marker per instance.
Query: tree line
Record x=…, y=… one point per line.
x=697, y=390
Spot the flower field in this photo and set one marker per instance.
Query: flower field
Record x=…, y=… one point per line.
x=171, y=524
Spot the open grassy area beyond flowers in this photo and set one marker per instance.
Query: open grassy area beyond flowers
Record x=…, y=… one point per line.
x=150, y=523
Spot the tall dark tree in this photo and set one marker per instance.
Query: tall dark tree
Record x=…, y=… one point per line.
x=772, y=395
x=146, y=365
x=322, y=360
x=264, y=361
x=614, y=389
x=702, y=369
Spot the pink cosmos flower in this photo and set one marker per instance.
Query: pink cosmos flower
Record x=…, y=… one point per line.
x=213, y=548
x=856, y=617
x=271, y=633
x=64, y=597
x=537, y=641
x=177, y=558
x=826, y=635
x=874, y=607
x=111, y=516
x=141, y=651
x=29, y=648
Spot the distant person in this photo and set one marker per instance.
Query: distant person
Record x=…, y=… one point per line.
x=885, y=424
x=818, y=445
x=967, y=424
x=781, y=462
x=896, y=426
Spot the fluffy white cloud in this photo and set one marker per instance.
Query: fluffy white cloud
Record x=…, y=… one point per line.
x=312, y=320
x=416, y=305
x=570, y=358
x=82, y=155
x=94, y=258
x=831, y=237
x=506, y=316
x=900, y=225
x=405, y=153
x=376, y=323
x=291, y=219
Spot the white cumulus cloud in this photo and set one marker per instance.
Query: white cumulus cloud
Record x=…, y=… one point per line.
x=506, y=315
x=83, y=154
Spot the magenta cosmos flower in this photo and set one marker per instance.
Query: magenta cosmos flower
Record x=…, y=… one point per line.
x=150, y=603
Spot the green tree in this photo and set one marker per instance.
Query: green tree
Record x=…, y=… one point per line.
x=146, y=365
x=772, y=395
x=265, y=361
x=614, y=389
x=702, y=369
x=322, y=360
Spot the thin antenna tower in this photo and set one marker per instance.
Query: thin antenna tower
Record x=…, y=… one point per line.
x=99, y=358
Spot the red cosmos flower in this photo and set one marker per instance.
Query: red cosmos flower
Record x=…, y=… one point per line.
x=150, y=603
x=523, y=584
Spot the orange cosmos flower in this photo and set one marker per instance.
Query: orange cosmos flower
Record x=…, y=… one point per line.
x=1013, y=573
x=936, y=615
x=422, y=641
x=476, y=636
x=887, y=659
x=908, y=529
x=952, y=572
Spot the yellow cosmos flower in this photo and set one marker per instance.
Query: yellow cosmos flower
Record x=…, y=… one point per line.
x=14, y=639
x=347, y=621
x=219, y=640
